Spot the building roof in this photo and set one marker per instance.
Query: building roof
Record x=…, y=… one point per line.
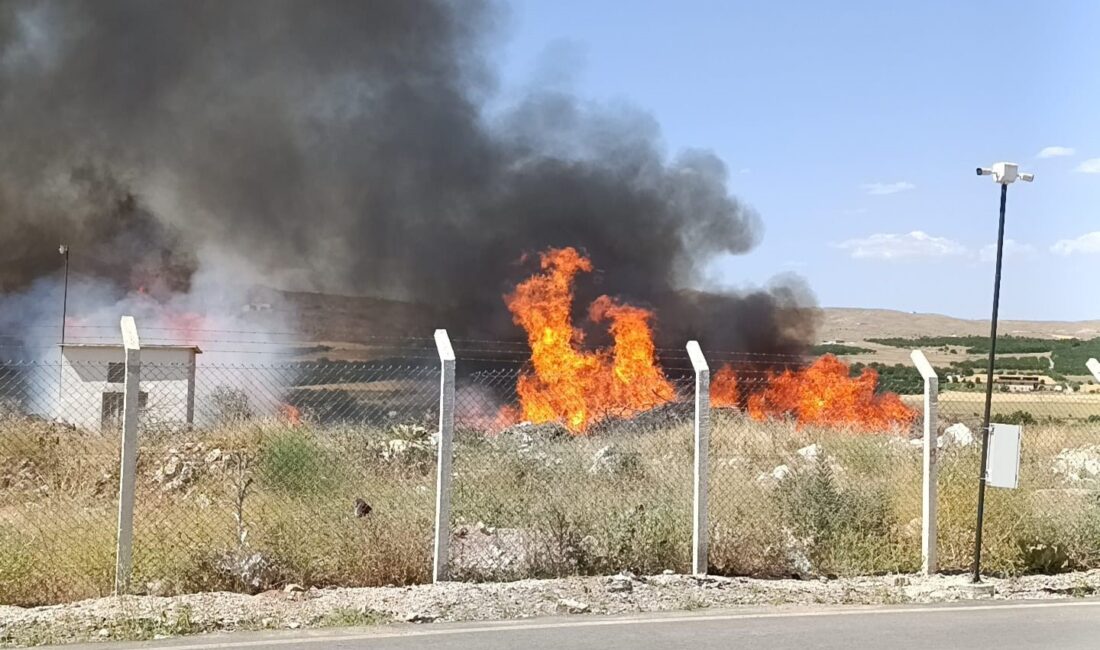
x=118, y=346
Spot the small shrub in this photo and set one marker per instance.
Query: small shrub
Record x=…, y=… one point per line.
x=230, y=405
x=837, y=523
x=351, y=617
x=645, y=540
x=294, y=461
x=1038, y=557
x=1015, y=417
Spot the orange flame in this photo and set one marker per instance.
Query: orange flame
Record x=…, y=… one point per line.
x=567, y=383
x=579, y=388
x=821, y=394
x=291, y=414
x=724, y=389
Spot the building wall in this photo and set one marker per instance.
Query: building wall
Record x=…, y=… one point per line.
x=167, y=382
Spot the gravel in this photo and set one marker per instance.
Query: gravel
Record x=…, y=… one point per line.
x=147, y=617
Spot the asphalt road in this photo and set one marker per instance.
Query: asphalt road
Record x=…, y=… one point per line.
x=1066, y=625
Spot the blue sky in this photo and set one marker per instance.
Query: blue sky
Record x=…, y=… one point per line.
x=854, y=128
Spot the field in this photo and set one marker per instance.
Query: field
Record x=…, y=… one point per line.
x=967, y=406
x=258, y=504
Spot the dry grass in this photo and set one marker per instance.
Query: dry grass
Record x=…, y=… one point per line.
x=853, y=510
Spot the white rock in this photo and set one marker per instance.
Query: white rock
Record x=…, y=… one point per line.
x=612, y=461
x=292, y=588
x=620, y=584
x=1081, y=464
x=959, y=434
x=171, y=467
x=571, y=606
x=294, y=625
x=781, y=472
x=810, y=453
x=213, y=456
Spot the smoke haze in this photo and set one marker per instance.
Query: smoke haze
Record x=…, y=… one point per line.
x=344, y=147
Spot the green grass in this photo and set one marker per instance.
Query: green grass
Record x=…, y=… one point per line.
x=351, y=617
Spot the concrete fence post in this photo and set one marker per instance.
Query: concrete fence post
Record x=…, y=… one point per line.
x=131, y=412
x=1094, y=367
x=441, y=562
x=929, y=563
x=700, y=531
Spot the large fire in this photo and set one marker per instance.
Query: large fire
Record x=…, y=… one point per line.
x=824, y=394
x=567, y=383
x=580, y=387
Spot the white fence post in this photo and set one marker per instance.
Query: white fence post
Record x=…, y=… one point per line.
x=130, y=415
x=1094, y=367
x=929, y=564
x=700, y=527
x=441, y=561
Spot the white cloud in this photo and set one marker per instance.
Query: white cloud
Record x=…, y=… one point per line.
x=1090, y=166
x=1013, y=250
x=891, y=246
x=1056, y=152
x=881, y=189
x=1085, y=244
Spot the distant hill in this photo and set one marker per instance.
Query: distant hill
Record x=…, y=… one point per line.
x=347, y=323
x=853, y=324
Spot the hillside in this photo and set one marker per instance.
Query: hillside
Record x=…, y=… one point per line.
x=853, y=324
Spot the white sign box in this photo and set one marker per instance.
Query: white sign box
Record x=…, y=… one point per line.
x=1003, y=465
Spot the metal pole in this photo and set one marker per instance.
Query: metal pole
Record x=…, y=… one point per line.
x=131, y=414
x=442, y=555
x=931, y=427
x=977, y=577
x=64, y=316
x=65, y=296
x=700, y=528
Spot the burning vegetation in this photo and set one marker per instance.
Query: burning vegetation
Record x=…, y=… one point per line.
x=567, y=383
x=578, y=388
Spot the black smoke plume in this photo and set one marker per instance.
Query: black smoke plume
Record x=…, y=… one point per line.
x=346, y=146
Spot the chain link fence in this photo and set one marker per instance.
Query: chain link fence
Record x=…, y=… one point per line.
x=537, y=500
x=1051, y=522
x=811, y=475
x=249, y=477
x=58, y=485
x=253, y=476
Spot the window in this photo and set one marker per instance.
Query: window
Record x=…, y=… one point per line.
x=111, y=415
x=116, y=373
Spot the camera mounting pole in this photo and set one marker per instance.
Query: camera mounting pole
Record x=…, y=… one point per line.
x=1004, y=174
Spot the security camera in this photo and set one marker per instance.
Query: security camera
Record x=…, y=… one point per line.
x=1005, y=173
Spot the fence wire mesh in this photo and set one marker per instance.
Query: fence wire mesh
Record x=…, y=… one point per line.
x=58, y=485
x=323, y=473
x=249, y=477
x=539, y=500
x=1051, y=522
x=811, y=474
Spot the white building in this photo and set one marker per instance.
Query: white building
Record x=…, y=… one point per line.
x=92, y=377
